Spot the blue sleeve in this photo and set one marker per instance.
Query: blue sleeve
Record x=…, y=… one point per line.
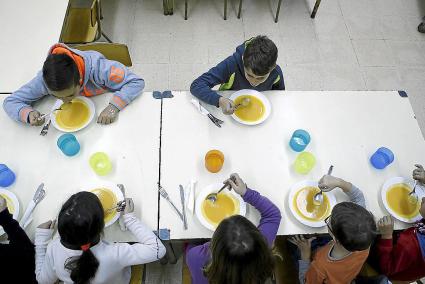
x=18, y=105
x=116, y=77
x=280, y=85
x=220, y=74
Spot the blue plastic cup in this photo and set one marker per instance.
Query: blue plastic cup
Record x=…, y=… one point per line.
x=68, y=144
x=7, y=176
x=299, y=140
x=382, y=158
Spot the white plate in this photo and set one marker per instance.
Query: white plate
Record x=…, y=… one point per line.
x=87, y=101
x=258, y=95
x=300, y=185
x=112, y=187
x=395, y=180
x=15, y=202
x=210, y=189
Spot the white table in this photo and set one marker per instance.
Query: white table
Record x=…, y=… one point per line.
x=29, y=29
x=346, y=128
x=132, y=143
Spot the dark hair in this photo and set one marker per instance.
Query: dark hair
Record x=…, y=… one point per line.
x=81, y=222
x=260, y=55
x=353, y=226
x=240, y=254
x=60, y=72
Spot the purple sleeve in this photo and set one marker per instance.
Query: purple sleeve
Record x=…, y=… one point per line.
x=270, y=214
x=196, y=258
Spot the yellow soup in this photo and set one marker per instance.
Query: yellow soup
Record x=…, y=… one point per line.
x=225, y=206
x=73, y=115
x=307, y=209
x=9, y=203
x=108, y=200
x=398, y=201
x=251, y=113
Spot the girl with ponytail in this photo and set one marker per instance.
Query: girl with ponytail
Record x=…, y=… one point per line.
x=80, y=255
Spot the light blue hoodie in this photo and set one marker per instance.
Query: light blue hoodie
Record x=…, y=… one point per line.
x=100, y=76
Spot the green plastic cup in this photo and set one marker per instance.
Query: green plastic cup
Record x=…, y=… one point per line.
x=304, y=163
x=100, y=163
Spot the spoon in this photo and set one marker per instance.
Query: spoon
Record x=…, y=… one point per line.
x=318, y=197
x=213, y=196
x=413, y=196
x=244, y=103
x=62, y=107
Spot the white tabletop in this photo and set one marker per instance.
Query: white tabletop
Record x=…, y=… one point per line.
x=29, y=28
x=131, y=142
x=346, y=128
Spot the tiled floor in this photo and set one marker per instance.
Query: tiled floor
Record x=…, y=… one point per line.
x=351, y=45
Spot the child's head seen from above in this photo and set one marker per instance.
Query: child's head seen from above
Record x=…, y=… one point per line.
x=352, y=226
x=240, y=253
x=61, y=75
x=259, y=59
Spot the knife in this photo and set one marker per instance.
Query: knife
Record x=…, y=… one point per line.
x=38, y=196
x=183, y=207
x=121, y=219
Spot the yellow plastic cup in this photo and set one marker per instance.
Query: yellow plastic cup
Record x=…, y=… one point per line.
x=214, y=161
x=100, y=163
x=304, y=163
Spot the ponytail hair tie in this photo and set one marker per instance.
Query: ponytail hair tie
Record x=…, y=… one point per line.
x=85, y=247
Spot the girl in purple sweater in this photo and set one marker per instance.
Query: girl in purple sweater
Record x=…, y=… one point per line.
x=238, y=252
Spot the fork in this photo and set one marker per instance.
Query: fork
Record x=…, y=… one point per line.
x=45, y=128
x=165, y=195
x=215, y=120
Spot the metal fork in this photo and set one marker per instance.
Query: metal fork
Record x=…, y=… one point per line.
x=45, y=128
x=165, y=195
x=215, y=120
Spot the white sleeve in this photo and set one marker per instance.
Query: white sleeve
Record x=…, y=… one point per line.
x=148, y=248
x=44, y=270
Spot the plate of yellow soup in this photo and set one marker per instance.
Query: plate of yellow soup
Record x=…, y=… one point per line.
x=109, y=195
x=256, y=112
x=304, y=209
x=12, y=204
x=73, y=116
x=395, y=196
x=228, y=203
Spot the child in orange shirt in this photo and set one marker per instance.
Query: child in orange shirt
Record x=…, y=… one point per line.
x=352, y=229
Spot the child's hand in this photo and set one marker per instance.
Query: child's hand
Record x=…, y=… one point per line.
x=34, y=118
x=386, y=227
x=227, y=106
x=304, y=245
x=47, y=225
x=108, y=115
x=419, y=174
x=3, y=204
x=129, y=206
x=328, y=183
x=237, y=184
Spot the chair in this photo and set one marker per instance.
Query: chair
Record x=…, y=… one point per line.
x=82, y=22
x=136, y=274
x=313, y=14
x=112, y=51
x=225, y=9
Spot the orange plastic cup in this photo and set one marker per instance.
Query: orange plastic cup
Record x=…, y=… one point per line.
x=214, y=161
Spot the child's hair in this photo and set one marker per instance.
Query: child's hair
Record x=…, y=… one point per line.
x=60, y=72
x=260, y=55
x=240, y=253
x=80, y=223
x=353, y=226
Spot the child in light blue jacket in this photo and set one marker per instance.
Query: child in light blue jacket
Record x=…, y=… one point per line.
x=68, y=73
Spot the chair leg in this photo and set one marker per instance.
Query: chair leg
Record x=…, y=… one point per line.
x=240, y=9
x=278, y=10
x=107, y=38
x=225, y=9
x=316, y=6
x=185, y=9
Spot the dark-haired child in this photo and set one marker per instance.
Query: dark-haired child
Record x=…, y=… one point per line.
x=352, y=229
x=252, y=66
x=402, y=256
x=68, y=73
x=17, y=257
x=239, y=252
x=80, y=255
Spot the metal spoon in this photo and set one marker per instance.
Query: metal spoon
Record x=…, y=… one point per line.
x=62, y=107
x=318, y=197
x=244, y=103
x=213, y=196
x=413, y=196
